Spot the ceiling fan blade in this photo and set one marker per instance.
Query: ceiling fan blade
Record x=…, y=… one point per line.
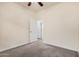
x=29, y=4
x=41, y=4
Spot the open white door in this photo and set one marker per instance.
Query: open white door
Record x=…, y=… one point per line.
x=35, y=30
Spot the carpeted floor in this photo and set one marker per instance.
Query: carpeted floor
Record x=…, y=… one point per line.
x=38, y=49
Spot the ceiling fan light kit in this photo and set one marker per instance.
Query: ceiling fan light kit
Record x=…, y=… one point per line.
x=39, y=3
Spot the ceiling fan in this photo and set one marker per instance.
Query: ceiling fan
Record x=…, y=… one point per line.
x=40, y=3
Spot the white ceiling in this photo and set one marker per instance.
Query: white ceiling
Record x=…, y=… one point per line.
x=36, y=7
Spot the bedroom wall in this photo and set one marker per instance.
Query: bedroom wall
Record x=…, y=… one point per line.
x=14, y=25
x=61, y=25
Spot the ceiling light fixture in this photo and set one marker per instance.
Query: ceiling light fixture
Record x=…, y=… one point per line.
x=40, y=3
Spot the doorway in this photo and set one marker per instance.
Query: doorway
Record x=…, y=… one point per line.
x=36, y=29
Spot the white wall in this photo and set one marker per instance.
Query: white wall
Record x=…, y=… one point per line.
x=61, y=25
x=13, y=25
